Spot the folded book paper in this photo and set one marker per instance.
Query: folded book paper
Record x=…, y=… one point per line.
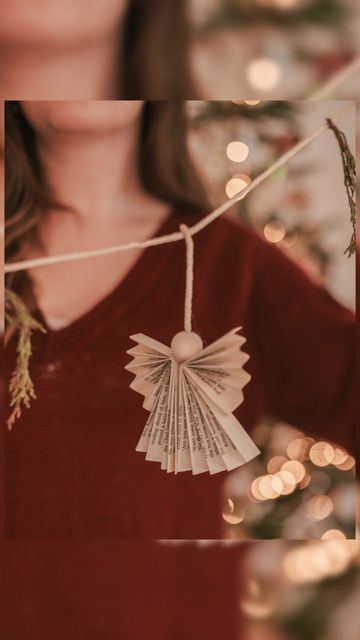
x=191, y=392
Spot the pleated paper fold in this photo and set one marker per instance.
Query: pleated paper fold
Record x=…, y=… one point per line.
x=191, y=426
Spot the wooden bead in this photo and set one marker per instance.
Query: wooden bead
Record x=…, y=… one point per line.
x=185, y=345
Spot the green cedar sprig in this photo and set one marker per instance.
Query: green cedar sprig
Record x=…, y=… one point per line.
x=21, y=386
x=349, y=168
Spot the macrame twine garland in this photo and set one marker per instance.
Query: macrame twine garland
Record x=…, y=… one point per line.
x=191, y=392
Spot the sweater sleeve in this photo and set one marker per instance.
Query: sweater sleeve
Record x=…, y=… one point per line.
x=305, y=348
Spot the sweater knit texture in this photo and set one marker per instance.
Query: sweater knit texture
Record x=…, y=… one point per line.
x=71, y=470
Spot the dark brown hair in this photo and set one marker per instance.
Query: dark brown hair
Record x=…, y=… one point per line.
x=165, y=169
x=154, y=53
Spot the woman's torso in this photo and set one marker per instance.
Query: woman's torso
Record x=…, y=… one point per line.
x=71, y=466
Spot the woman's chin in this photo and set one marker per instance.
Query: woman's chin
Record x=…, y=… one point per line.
x=90, y=116
x=59, y=23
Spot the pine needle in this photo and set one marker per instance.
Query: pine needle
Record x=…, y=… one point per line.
x=21, y=386
x=349, y=168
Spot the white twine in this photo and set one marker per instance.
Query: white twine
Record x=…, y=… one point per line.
x=185, y=231
x=199, y=226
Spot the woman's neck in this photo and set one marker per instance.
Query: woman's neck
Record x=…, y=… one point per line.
x=87, y=72
x=91, y=172
x=96, y=176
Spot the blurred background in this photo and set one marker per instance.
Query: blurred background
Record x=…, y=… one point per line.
x=298, y=488
x=302, y=208
x=307, y=585
x=273, y=48
x=302, y=591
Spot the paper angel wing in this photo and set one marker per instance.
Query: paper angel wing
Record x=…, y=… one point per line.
x=191, y=426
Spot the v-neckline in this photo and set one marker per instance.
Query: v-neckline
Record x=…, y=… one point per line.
x=142, y=272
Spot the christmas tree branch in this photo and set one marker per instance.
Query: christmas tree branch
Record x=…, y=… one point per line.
x=349, y=168
x=21, y=386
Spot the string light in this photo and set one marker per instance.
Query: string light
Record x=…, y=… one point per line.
x=255, y=489
x=270, y=487
x=285, y=4
x=339, y=456
x=255, y=604
x=347, y=465
x=319, y=560
x=333, y=534
x=321, y=454
x=249, y=103
x=296, y=469
x=232, y=513
x=236, y=184
x=263, y=74
x=237, y=151
x=320, y=507
x=298, y=449
x=288, y=482
x=274, y=231
x=275, y=463
x=290, y=239
x=305, y=482
x=280, y=4
x=285, y=475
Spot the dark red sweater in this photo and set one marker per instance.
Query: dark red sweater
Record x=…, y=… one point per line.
x=119, y=590
x=70, y=462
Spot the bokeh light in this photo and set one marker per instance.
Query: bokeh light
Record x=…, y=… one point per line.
x=274, y=231
x=270, y=486
x=255, y=603
x=263, y=74
x=333, y=534
x=318, y=560
x=298, y=449
x=232, y=513
x=288, y=482
x=296, y=469
x=321, y=454
x=275, y=463
x=347, y=465
x=236, y=184
x=320, y=507
x=237, y=151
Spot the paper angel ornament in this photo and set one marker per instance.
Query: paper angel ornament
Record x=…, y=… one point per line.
x=191, y=392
